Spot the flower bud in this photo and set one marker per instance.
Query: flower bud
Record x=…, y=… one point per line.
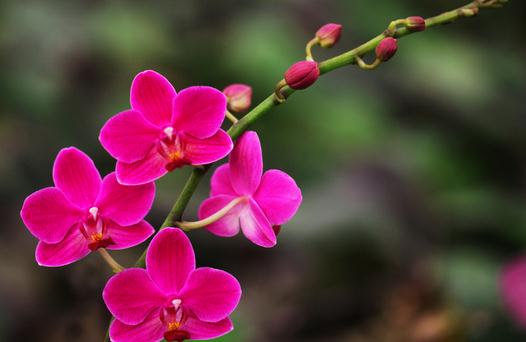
x=386, y=49
x=415, y=24
x=302, y=74
x=239, y=97
x=329, y=34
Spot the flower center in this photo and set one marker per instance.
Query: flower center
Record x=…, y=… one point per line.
x=94, y=230
x=171, y=148
x=173, y=318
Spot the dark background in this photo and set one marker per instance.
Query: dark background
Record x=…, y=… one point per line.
x=413, y=175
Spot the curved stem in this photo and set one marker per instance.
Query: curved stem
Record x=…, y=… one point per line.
x=185, y=225
x=308, y=48
x=115, y=266
x=231, y=117
x=361, y=63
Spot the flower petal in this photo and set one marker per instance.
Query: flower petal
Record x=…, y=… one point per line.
x=211, y=294
x=131, y=295
x=146, y=170
x=76, y=175
x=513, y=288
x=220, y=183
x=49, y=215
x=150, y=330
x=228, y=225
x=124, y=204
x=169, y=260
x=128, y=137
x=199, y=111
x=129, y=236
x=200, y=330
x=72, y=248
x=278, y=196
x=153, y=95
x=208, y=150
x=246, y=164
x=256, y=226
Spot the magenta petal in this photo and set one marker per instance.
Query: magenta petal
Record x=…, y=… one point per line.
x=200, y=330
x=146, y=170
x=170, y=258
x=129, y=236
x=124, y=204
x=128, y=137
x=228, y=225
x=246, y=164
x=278, y=196
x=256, y=226
x=211, y=294
x=199, y=111
x=153, y=95
x=49, y=215
x=150, y=330
x=220, y=183
x=131, y=295
x=72, y=248
x=208, y=150
x=76, y=175
x=513, y=288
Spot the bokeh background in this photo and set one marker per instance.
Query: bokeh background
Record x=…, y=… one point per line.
x=413, y=176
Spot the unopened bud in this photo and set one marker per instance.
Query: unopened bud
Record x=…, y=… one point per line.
x=386, y=49
x=415, y=24
x=239, y=97
x=302, y=74
x=329, y=34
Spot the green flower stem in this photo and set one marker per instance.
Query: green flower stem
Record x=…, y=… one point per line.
x=267, y=104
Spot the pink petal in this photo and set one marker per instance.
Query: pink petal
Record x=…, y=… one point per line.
x=199, y=111
x=256, y=226
x=170, y=258
x=129, y=236
x=128, y=137
x=48, y=214
x=151, y=330
x=246, y=164
x=228, y=225
x=211, y=294
x=278, y=196
x=123, y=204
x=131, y=295
x=72, y=248
x=220, y=183
x=146, y=170
x=513, y=288
x=200, y=330
x=208, y=150
x=153, y=95
x=76, y=175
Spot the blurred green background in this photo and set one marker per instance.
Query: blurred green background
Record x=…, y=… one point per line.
x=413, y=175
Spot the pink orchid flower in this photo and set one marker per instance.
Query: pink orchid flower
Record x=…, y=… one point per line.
x=83, y=212
x=165, y=130
x=170, y=299
x=269, y=199
x=513, y=289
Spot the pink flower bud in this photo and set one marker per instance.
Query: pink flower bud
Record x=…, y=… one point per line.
x=302, y=74
x=386, y=49
x=416, y=24
x=239, y=97
x=329, y=34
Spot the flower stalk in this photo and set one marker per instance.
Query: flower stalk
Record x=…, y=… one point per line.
x=115, y=266
x=187, y=226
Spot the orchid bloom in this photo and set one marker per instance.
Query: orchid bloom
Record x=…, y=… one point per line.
x=83, y=212
x=170, y=299
x=265, y=199
x=164, y=130
x=513, y=289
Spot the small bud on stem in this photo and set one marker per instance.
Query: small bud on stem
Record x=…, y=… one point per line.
x=239, y=97
x=329, y=34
